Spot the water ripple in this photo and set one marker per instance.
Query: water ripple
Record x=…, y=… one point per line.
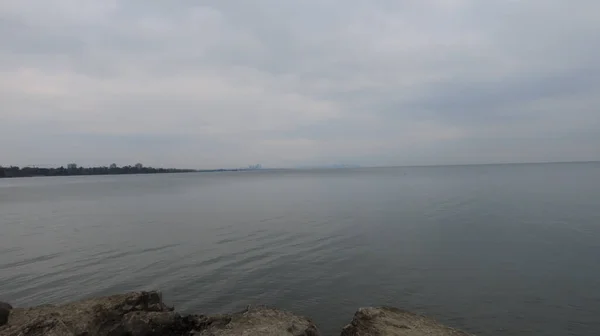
x=481, y=252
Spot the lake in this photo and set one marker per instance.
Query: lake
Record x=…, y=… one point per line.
x=491, y=249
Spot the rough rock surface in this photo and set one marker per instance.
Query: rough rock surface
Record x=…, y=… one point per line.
x=263, y=321
x=144, y=314
x=385, y=321
x=100, y=316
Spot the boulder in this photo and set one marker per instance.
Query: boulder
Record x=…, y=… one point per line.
x=262, y=321
x=386, y=321
x=99, y=316
x=144, y=314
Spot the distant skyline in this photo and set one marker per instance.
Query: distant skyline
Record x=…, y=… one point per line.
x=203, y=85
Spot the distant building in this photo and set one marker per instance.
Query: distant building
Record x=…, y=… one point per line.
x=72, y=166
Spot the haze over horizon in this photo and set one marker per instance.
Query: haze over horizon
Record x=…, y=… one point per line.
x=200, y=84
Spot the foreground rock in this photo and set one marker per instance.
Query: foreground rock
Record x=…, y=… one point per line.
x=114, y=315
x=262, y=321
x=386, y=321
x=145, y=314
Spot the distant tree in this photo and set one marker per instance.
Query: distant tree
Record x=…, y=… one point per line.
x=73, y=169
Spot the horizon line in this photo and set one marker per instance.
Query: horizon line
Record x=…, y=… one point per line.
x=333, y=166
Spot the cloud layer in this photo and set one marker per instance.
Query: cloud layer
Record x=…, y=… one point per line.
x=288, y=83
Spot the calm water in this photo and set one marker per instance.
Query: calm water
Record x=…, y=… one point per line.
x=495, y=250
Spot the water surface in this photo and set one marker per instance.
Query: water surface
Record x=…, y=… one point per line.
x=494, y=250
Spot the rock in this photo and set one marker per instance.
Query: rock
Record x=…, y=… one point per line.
x=154, y=323
x=262, y=321
x=99, y=316
x=385, y=321
x=4, y=305
x=144, y=314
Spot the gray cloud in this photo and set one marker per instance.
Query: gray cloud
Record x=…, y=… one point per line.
x=210, y=84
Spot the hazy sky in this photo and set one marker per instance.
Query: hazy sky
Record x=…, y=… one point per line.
x=286, y=83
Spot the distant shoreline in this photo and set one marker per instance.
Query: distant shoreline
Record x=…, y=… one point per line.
x=20, y=172
x=74, y=170
x=108, y=174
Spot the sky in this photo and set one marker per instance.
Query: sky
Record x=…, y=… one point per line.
x=210, y=84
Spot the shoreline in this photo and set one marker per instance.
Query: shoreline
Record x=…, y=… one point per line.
x=137, y=173
x=145, y=314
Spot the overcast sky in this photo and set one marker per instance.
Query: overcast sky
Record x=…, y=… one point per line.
x=205, y=84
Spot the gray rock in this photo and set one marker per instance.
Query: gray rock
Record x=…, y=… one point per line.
x=153, y=323
x=262, y=321
x=4, y=305
x=385, y=321
x=144, y=314
x=99, y=316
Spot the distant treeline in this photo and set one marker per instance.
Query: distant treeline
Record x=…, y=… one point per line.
x=73, y=169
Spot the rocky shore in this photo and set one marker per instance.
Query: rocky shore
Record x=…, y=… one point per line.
x=145, y=314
